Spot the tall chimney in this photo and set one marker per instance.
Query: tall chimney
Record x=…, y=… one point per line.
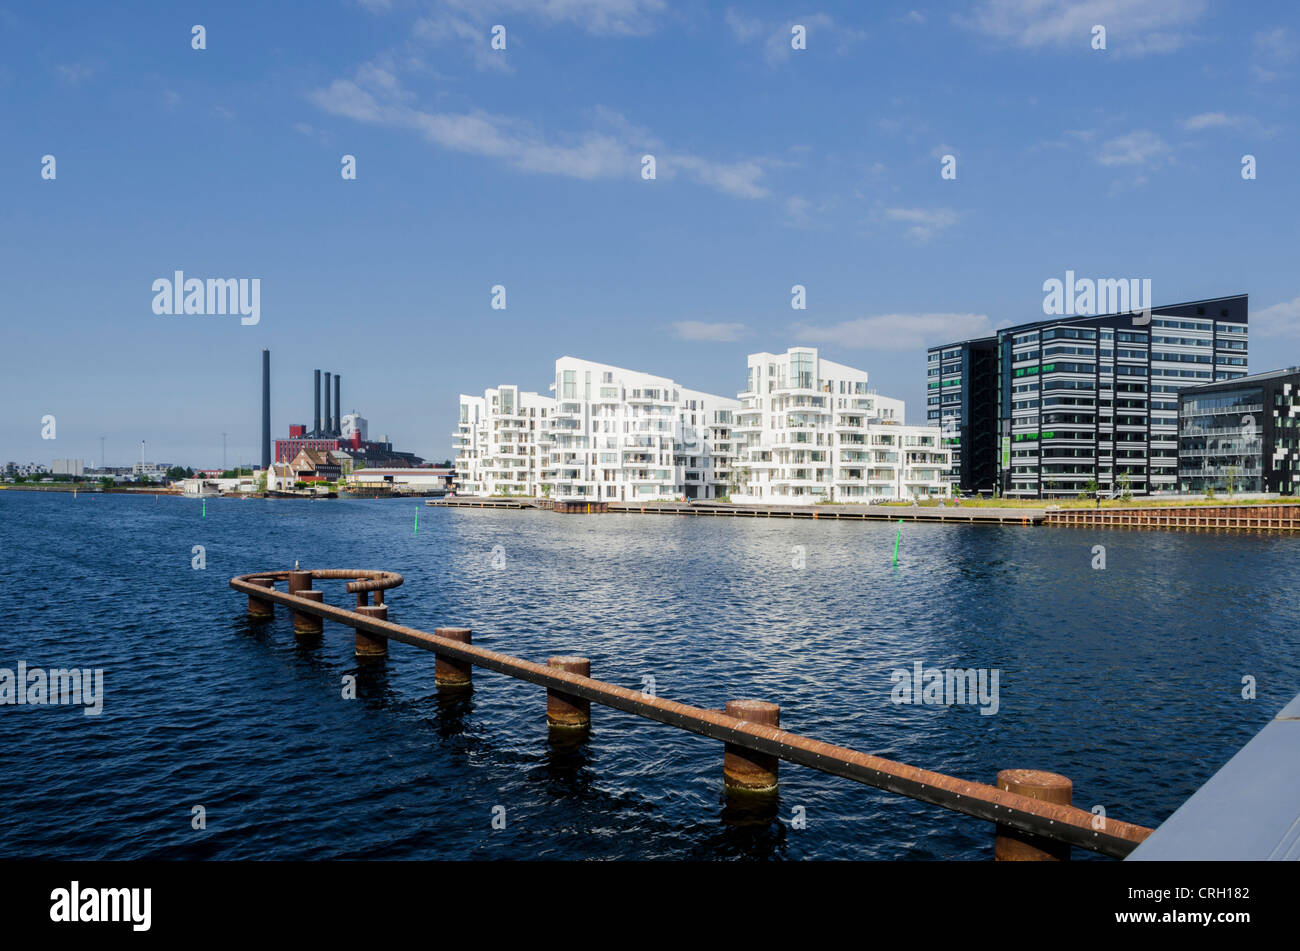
x=338, y=408
x=266, y=410
x=327, y=405
x=316, y=425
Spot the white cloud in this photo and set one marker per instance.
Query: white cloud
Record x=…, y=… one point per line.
x=1274, y=50
x=925, y=223
x=776, y=34
x=910, y=332
x=1209, y=120
x=1279, y=320
x=73, y=73
x=1141, y=148
x=374, y=96
x=1133, y=27
x=715, y=332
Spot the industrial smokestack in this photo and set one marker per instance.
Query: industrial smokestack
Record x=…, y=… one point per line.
x=266, y=410
x=338, y=408
x=316, y=425
x=328, y=417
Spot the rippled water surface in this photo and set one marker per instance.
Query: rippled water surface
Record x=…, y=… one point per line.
x=1127, y=680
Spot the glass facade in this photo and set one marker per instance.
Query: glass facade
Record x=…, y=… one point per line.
x=1068, y=404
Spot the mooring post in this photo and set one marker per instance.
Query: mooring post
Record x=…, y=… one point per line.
x=372, y=645
x=363, y=598
x=448, y=673
x=306, y=624
x=258, y=607
x=564, y=710
x=1012, y=845
x=742, y=769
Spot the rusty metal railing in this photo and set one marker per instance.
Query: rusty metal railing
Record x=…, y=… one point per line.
x=1031, y=810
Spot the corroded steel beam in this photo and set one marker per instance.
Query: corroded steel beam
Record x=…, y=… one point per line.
x=1062, y=823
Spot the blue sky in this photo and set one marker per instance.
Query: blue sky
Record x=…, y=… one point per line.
x=522, y=168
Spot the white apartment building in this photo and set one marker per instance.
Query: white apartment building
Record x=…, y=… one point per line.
x=622, y=435
x=503, y=442
x=810, y=430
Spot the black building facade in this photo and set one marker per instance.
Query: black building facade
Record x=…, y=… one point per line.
x=1242, y=435
x=1073, y=403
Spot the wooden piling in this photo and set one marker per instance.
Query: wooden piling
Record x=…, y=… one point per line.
x=304, y=624
x=1012, y=845
x=260, y=608
x=563, y=710
x=372, y=645
x=448, y=673
x=745, y=770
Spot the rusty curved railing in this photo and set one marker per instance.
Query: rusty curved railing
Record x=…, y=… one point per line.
x=1027, y=827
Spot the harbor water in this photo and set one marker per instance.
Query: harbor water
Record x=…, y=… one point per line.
x=1128, y=679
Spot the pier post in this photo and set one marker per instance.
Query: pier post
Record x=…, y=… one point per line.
x=372, y=645
x=299, y=581
x=1012, y=845
x=257, y=607
x=745, y=770
x=308, y=625
x=449, y=673
x=564, y=710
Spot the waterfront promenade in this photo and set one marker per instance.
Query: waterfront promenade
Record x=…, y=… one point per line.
x=1256, y=517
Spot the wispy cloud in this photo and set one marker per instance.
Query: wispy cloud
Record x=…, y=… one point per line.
x=1275, y=51
x=712, y=332
x=375, y=96
x=1279, y=320
x=923, y=223
x=1141, y=148
x=1210, y=120
x=897, y=331
x=1133, y=27
x=73, y=73
x=775, y=35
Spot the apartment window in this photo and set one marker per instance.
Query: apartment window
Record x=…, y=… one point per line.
x=569, y=389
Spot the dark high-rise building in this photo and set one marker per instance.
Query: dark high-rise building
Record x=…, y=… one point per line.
x=961, y=398
x=1069, y=402
x=266, y=409
x=1241, y=435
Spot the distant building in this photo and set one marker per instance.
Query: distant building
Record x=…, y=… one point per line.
x=287, y=449
x=502, y=442
x=1242, y=434
x=13, y=469
x=68, y=467
x=280, y=477
x=810, y=430
x=312, y=465
x=1043, y=409
x=805, y=430
x=354, y=424
x=415, y=480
